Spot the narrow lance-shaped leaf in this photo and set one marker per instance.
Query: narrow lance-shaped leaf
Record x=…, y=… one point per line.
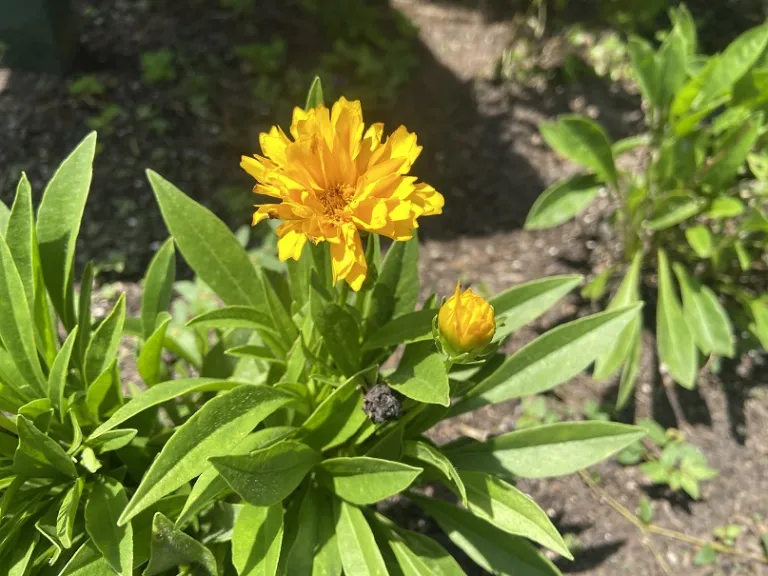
x=631, y=368
x=425, y=453
x=59, y=217
x=102, y=350
x=57, y=379
x=315, y=94
x=20, y=237
x=397, y=288
x=360, y=555
x=645, y=68
x=105, y=503
x=562, y=201
x=151, y=356
x=39, y=456
x=257, y=540
x=65, y=522
x=213, y=430
x=158, y=286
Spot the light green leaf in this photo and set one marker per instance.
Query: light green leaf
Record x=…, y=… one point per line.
x=39, y=456
x=112, y=440
x=673, y=59
x=322, y=431
x=158, y=287
x=16, y=328
x=552, y=358
x=628, y=292
x=706, y=317
x=425, y=453
x=57, y=379
x=674, y=209
x=630, y=143
x=523, y=303
x=104, y=393
x=105, y=503
x=208, y=246
x=20, y=237
x=511, y=510
x=150, y=358
x=673, y=337
x=736, y=60
x=421, y=375
x=545, y=451
x=254, y=351
x=732, y=155
x=583, y=141
x=360, y=555
x=725, y=207
x=59, y=217
x=172, y=547
x=631, y=368
x=87, y=561
x=700, y=239
x=492, y=549
x=363, y=480
x=405, y=329
x=215, y=429
x=5, y=214
x=645, y=68
x=396, y=291
x=232, y=317
x=341, y=337
x=301, y=557
x=257, y=540
x=65, y=521
x=596, y=287
x=159, y=394
x=102, y=349
x=267, y=476
x=315, y=95
x=562, y=201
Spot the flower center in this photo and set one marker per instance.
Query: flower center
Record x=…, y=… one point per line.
x=335, y=198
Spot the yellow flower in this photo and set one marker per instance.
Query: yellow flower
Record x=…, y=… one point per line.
x=335, y=179
x=466, y=321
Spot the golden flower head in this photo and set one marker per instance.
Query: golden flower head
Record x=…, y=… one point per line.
x=466, y=322
x=334, y=178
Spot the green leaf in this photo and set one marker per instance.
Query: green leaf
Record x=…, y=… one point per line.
x=300, y=559
x=674, y=209
x=20, y=237
x=646, y=510
x=492, y=549
x=104, y=393
x=322, y=431
x=552, y=358
x=112, y=440
x=631, y=368
x=700, y=239
x=105, y=341
x=360, y=555
x=16, y=328
x=630, y=143
x=706, y=317
x=545, y=451
x=341, y=337
x=673, y=59
x=417, y=555
x=523, y=303
x=732, y=155
x=267, y=476
x=150, y=358
x=562, y=201
x=396, y=291
x=232, y=317
x=87, y=561
x=363, y=480
x=628, y=292
x=257, y=539
x=425, y=453
x=158, y=287
x=84, y=319
x=105, y=503
x=736, y=60
x=213, y=430
x=405, y=329
x=57, y=379
x=315, y=95
x=39, y=456
x=645, y=67
x=65, y=521
x=511, y=510
x=595, y=288
x=58, y=220
x=159, y=394
x=705, y=556
x=5, y=214
x=582, y=141
x=673, y=337
x=171, y=548
x=421, y=375
x=208, y=246
x=20, y=560
x=210, y=484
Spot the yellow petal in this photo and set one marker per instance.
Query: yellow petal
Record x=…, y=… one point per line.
x=291, y=241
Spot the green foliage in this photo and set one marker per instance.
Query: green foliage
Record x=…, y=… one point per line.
x=246, y=449
x=693, y=222
x=87, y=86
x=158, y=66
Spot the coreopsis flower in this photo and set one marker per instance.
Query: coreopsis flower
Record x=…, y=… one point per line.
x=466, y=323
x=334, y=179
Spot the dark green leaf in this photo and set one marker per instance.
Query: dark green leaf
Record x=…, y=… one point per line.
x=39, y=456
x=363, y=480
x=562, y=201
x=674, y=209
x=105, y=341
x=105, y=503
x=59, y=217
x=322, y=431
x=172, y=547
x=397, y=289
x=65, y=522
x=631, y=368
x=405, y=329
x=341, y=337
x=267, y=476
x=545, y=451
x=150, y=358
x=87, y=561
x=257, y=540
x=158, y=287
x=57, y=379
x=215, y=429
x=732, y=154
x=20, y=560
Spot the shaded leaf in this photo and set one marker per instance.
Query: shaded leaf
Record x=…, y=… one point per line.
x=257, y=540
x=562, y=201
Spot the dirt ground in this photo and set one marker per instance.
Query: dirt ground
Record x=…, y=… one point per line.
x=483, y=152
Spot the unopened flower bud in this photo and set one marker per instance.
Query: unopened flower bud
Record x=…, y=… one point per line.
x=466, y=322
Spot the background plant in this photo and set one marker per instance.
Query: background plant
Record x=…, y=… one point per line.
x=247, y=446
x=693, y=223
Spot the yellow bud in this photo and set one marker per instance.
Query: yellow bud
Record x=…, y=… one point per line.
x=466, y=322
